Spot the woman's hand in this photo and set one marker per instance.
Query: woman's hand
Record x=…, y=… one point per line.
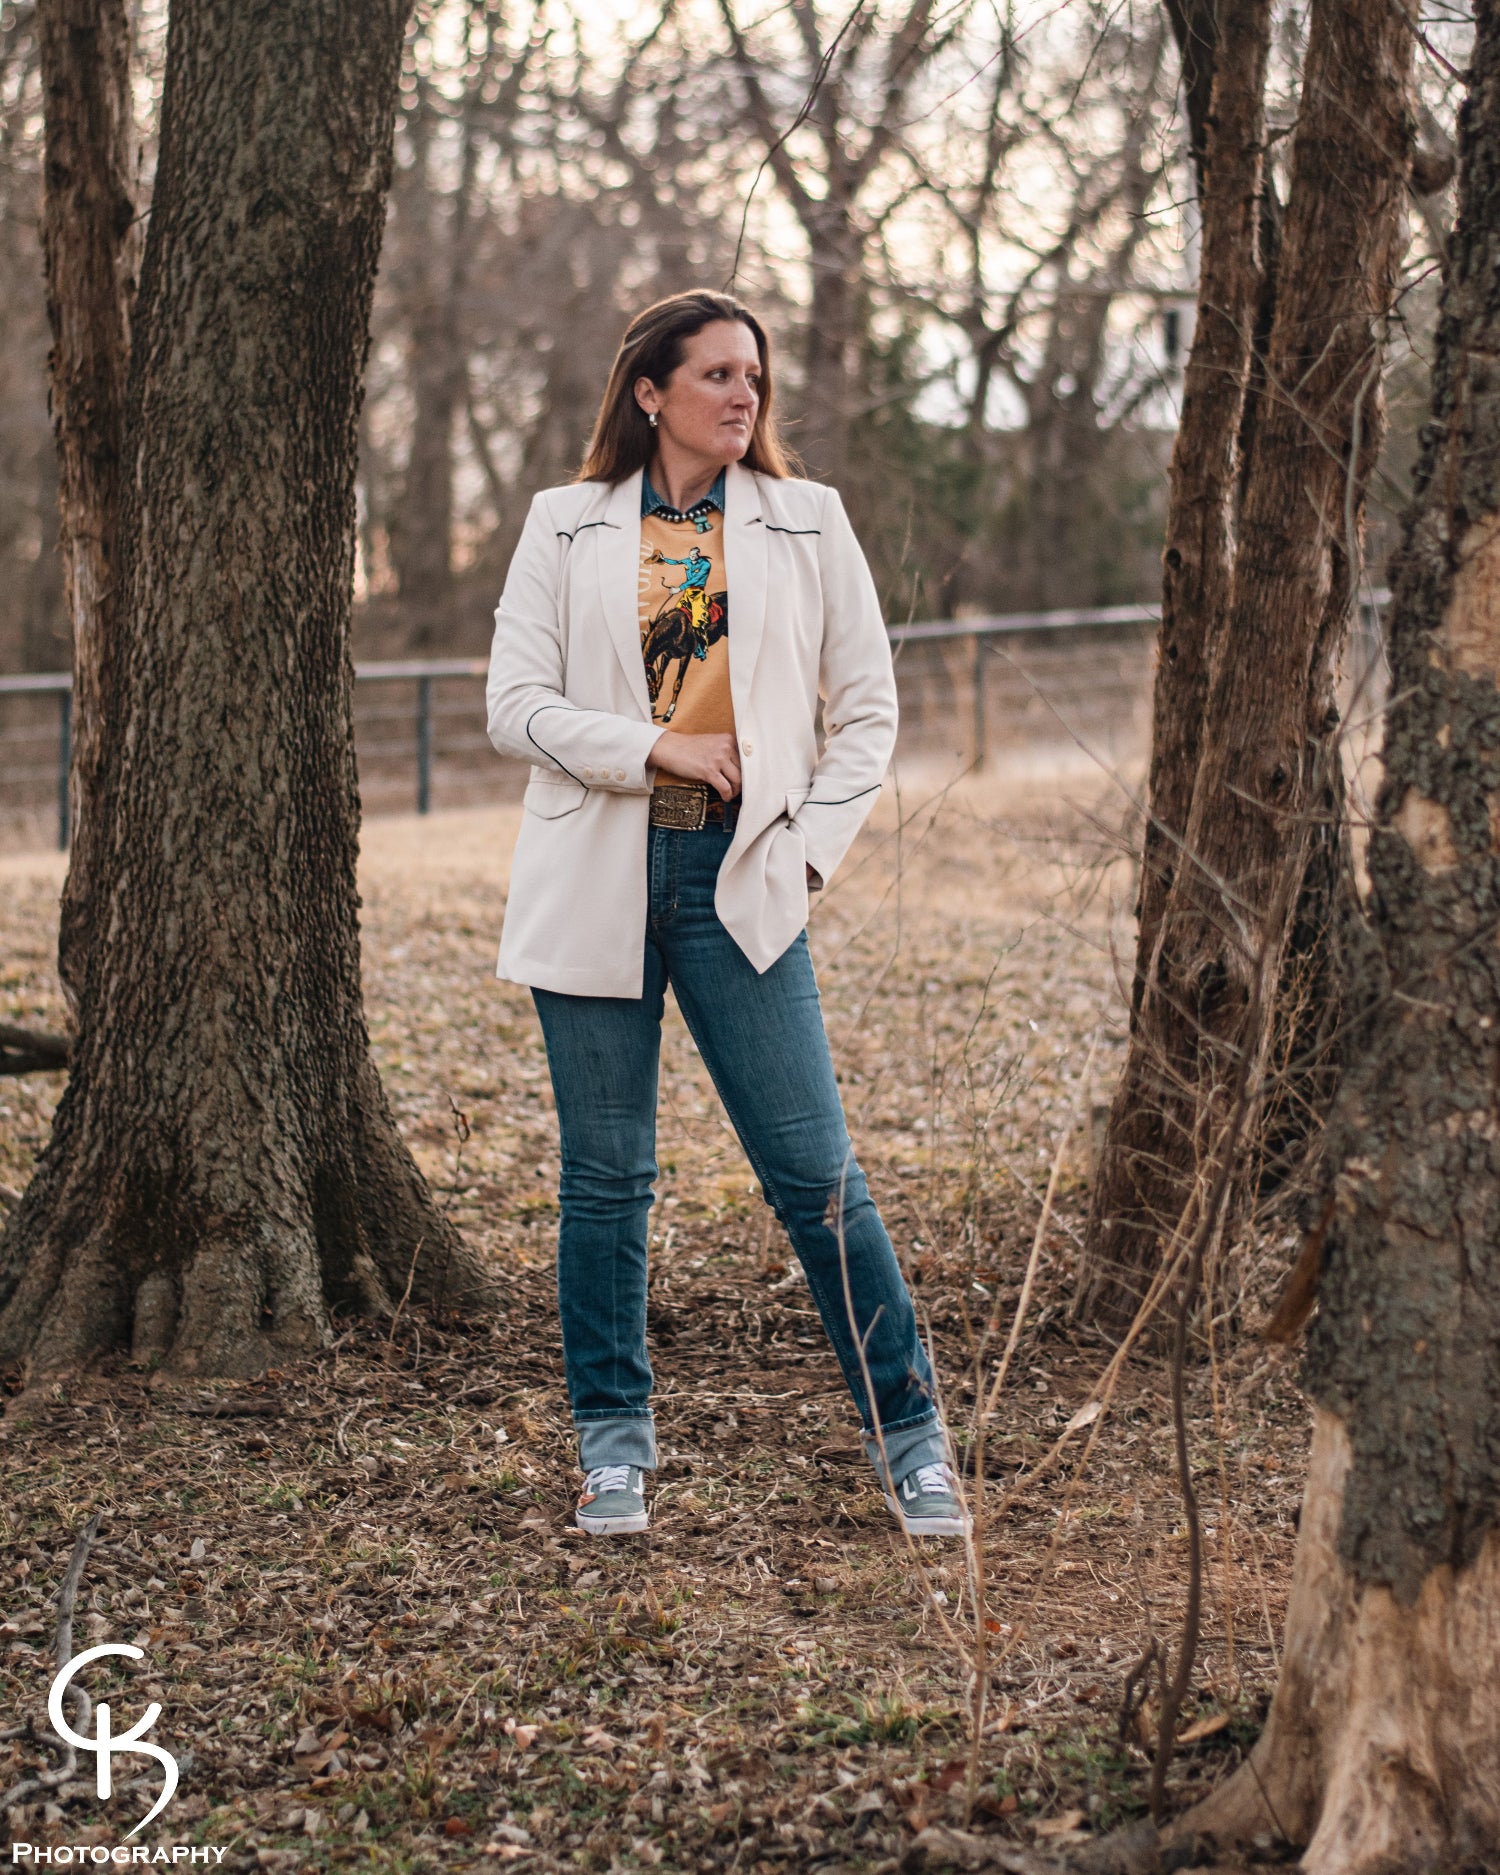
x=714, y=759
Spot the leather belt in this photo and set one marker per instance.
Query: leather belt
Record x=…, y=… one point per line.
x=690, y=806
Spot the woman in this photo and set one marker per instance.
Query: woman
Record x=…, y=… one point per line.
x=667, y=625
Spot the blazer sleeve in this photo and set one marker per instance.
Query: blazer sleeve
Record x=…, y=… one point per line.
x=528, y=713
x=858, y=686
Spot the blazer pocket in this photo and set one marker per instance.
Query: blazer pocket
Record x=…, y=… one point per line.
x=551, y=796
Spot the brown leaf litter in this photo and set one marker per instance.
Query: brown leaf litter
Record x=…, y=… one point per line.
x=378, y=1641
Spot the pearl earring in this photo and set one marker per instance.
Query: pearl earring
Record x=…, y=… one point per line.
x=651, y=418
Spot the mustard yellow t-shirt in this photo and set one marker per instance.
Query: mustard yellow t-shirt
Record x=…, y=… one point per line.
x=684, y=617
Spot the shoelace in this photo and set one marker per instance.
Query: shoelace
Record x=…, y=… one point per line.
x=932, y=1479
x=606, y=1478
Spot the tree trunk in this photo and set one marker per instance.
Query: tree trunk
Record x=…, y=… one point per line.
x=1195, y=28
x=1198, y=554
x=43, y=647
x=1383, y=1746
x=422, y=523
x=1269, y=744
x=224, y=1169
x=1197, y=568
x=88, y=217
x=822, y=438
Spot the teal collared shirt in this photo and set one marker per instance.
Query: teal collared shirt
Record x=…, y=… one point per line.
x=652, y=503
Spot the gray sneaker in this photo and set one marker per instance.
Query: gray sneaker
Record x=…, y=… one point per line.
x=612, y=1502
x=926, y=1502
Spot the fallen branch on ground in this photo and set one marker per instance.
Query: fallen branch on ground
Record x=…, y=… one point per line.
x=32, y=1051
x=62, y=1652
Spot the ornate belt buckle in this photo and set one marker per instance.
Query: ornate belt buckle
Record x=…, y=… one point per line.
x=686, y=808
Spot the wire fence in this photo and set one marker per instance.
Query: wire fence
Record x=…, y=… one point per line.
x=974, y=693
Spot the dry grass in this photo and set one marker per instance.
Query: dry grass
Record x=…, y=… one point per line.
x=376, y=1639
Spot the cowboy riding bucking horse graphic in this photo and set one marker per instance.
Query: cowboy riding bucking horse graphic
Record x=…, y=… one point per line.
x=688, y=623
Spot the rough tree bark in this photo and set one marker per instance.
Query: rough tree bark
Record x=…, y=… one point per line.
x=88, y=218
x=1195, y=27
x=1306, y=1011
x=224, y=1169
x=1268, y=745
x=1198, y=552
x=1382, y=1751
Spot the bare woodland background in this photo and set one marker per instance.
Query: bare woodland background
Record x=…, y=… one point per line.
x=977, y=249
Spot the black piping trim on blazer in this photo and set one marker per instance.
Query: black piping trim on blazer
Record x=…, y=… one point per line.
x=563, y=534
x=775, y=528
x=844, y=798
x=547, y=752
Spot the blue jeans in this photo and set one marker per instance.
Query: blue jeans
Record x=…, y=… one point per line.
x=762, y=1039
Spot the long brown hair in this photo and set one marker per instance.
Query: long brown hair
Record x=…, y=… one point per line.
x=652, y=348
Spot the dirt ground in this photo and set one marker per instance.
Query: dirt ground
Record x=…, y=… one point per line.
x=375, y=1637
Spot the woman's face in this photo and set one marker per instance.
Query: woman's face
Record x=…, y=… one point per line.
x=708, y=406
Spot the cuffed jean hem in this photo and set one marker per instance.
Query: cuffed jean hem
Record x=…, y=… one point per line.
x=918, y=1442
x=617, y=1439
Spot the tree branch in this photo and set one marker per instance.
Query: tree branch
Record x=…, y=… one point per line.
x=32, y=1051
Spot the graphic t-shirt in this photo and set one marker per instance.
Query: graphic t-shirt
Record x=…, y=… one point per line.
x=684, y=617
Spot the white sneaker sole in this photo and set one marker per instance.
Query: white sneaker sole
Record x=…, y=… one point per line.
x=613, y=1526
x=928, y=1526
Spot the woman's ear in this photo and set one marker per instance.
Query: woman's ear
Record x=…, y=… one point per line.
x=646, y=395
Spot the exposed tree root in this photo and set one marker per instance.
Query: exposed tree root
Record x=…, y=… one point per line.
x=1382, y=1751
x=239, y=1268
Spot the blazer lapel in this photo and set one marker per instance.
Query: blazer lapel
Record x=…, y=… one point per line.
x=618, y=552
x=745, y=554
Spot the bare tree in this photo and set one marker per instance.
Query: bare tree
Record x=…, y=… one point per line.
x=556, y=168
x=1383, y=1745
x=434, y=241
x=1198, y=553
x=433, y=229
x=224, y=1169
x=1266, y=789
x=544, y=186
x=851, y=86
x=31, y=600
x=88, y=218
x=1060, y=361
x=1195, y=27
x=1045, y=303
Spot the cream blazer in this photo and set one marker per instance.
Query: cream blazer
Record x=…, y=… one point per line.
x=567, y=691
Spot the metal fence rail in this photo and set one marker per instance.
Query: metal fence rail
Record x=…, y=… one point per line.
x=421, y=671
x=424, y=719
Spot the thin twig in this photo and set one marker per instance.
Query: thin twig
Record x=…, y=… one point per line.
x=1226, y=1158
x=1023, y=1301
x=878, y=1430
x=411, y=1276
x=795, y=125
x=62, y=1653
x=979, y=1574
